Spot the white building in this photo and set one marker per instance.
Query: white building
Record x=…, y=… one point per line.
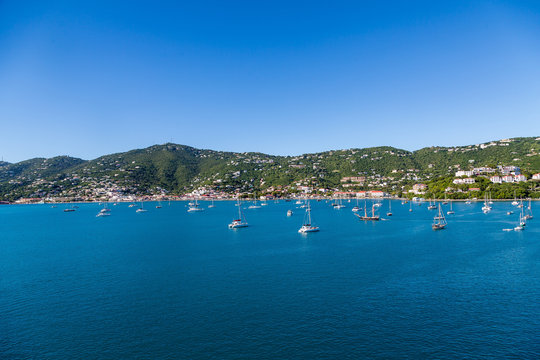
x=461, y=173
x=536, y=176
x=496, y=179
x=508, y=178
x=464, y=181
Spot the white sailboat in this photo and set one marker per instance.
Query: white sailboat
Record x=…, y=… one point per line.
x=450, y=212
x=141, y=209
x=212, y=204
x=104, y=212
x=389, y=213
x=240, y=222
x=486, y=208
x=529, y=214
x=339, y=204
x=431, y=206
x=521, y=225
x=356, y=208
x=195, y=207
x=515, y=202
x=307, y=227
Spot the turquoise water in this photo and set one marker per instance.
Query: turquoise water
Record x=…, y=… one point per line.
x=171, y=284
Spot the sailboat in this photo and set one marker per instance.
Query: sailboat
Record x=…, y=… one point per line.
x=450, y=212
x=71, y=209
x=240, y=222
x=104, y=212
x=356, y=208
x=339, y=204
x=439, y=222
x=212, y=204
x=522, y=223
x=306, y=226
x=445, y=200
x=366, y=217
x=389, y=213
x=141, y=209
x=195, y=207
x=255, y=205
x=410, y=206
x=529, y=214
x=486, y=208
x=158, y=206
x=515, y=202
x=431, y=206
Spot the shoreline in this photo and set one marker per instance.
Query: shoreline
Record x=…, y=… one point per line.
x=280, y=199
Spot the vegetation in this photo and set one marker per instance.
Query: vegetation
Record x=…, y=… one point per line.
x=177, y=169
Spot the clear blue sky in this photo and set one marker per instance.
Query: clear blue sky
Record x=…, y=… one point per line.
x=96, y=77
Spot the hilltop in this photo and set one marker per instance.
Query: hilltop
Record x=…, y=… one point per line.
x=172, y=169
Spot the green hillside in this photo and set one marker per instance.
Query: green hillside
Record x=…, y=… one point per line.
x=177, y=169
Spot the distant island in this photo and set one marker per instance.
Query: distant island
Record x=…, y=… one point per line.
x=505, y=168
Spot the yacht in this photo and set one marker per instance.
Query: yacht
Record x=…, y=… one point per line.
x=141, y=209
x=339, y=205
x=254, y=206
x=529, y=214
x=389, y=213
x=521, y=225
x=486, y=208
x=439, y=222
x=450, y=212
x=240, y=222
x=515, y=202
x=289, y=212
x=307, y=227
x=103, y=213
x=195, y=207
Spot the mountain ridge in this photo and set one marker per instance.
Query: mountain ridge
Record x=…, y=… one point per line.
x=177, y=169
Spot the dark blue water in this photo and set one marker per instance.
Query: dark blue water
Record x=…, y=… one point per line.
x=172, y=284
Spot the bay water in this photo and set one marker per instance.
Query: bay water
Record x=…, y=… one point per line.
x=171, y=284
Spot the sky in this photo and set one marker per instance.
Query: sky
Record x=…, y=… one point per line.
x=91, y=78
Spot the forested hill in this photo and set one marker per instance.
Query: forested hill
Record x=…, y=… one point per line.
x=177, y=168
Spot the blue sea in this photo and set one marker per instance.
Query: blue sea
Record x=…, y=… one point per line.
x=171, y=284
